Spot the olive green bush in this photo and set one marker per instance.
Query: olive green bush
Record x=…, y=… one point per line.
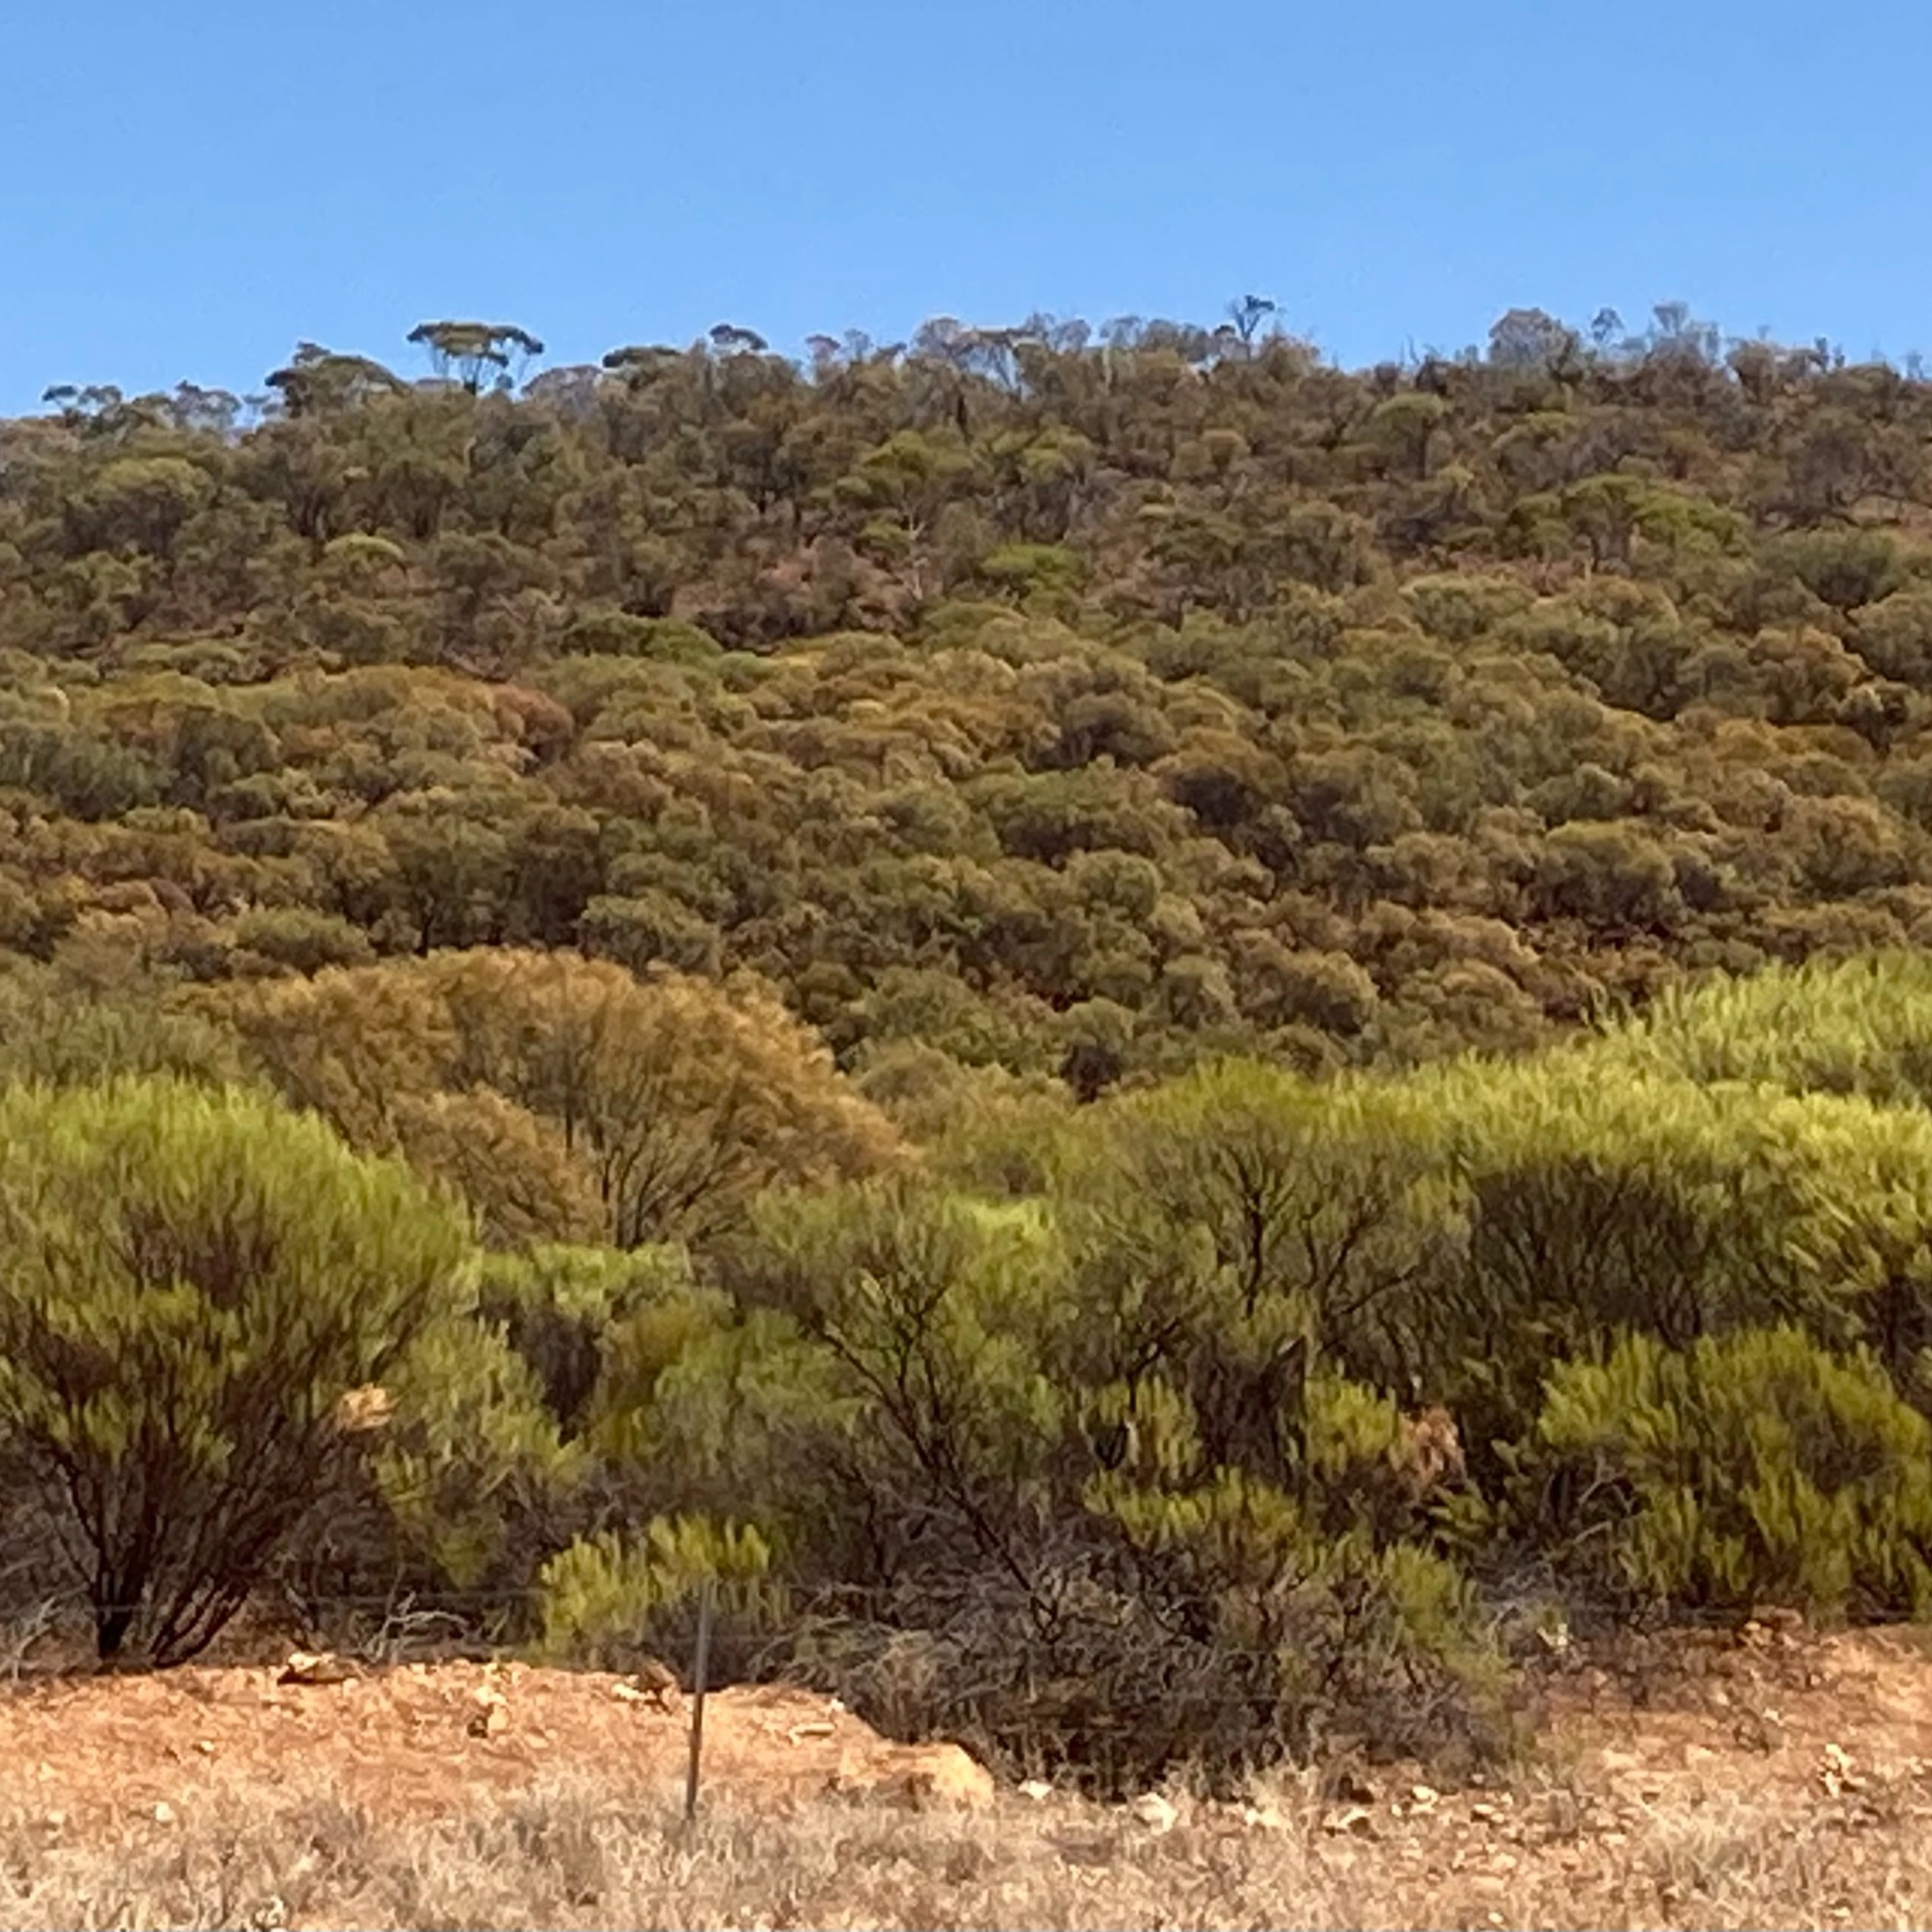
x=605, y=1598
x=1060, y=1548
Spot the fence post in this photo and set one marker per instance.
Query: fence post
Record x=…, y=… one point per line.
x=707, y=1598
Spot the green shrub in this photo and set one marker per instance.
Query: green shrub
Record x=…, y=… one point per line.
x=191, y=1280
x=936, y=1313
x=557, y=1305
x=472, y=1467
x=604, y=1599
x=1750, y=1467
x=1854, y=1026
x=1597, y=1201
x=1236, y=1230
x=302, y=938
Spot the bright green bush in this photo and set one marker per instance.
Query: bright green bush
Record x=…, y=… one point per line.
x=1750, y=1467
x=558, y=1306
x=1853, y=1026
x=939, y=1313
x=1596, y=1200
x=191, y=1280
x=1236, y=1230
x=602, y=1599
x=472, y=1467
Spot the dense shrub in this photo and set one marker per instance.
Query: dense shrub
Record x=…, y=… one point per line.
x=191, y=1282
x=1219, y=1417
x=1751, y=1468
x=904, y=897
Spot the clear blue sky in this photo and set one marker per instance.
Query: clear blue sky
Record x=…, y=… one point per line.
x=188, y=186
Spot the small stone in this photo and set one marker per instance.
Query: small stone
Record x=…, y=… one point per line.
x=492, y=1715
x=1037, y=1790
x=164, y=1813
x=1355, y=1820
x=1156, y=1812
x=306, y=1666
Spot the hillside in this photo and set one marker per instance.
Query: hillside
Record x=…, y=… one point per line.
x=1023, y=698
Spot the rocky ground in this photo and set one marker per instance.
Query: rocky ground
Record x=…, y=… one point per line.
x=1777, y=1778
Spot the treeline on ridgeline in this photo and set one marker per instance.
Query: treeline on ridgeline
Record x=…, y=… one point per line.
x=859, y=977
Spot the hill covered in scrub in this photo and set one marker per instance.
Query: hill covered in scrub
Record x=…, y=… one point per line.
x=1173, y=1050
x=1018, y=699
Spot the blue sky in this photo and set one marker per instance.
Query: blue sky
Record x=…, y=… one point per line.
x=188, y=186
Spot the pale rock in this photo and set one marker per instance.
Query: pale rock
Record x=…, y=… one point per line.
x=1350, y=1820
x=1156, y=1813
x=305, y=1666
x=919, y=1777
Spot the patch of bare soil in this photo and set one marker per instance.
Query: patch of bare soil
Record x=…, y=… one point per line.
x=1775, y=1777
x=445, y=1737
x=1778, y=1778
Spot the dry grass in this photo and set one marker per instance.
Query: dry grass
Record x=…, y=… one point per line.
x=1781, y=1779
x=563, y=1854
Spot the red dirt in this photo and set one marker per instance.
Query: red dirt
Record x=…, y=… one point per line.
x=406, y=1739
x=1654, y=1785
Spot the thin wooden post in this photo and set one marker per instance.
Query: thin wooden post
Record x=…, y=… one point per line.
x=707, y=1599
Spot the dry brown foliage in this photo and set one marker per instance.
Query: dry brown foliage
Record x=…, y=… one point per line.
x=1427, y=1453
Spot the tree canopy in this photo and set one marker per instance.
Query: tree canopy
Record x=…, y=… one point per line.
x=1040, y=699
